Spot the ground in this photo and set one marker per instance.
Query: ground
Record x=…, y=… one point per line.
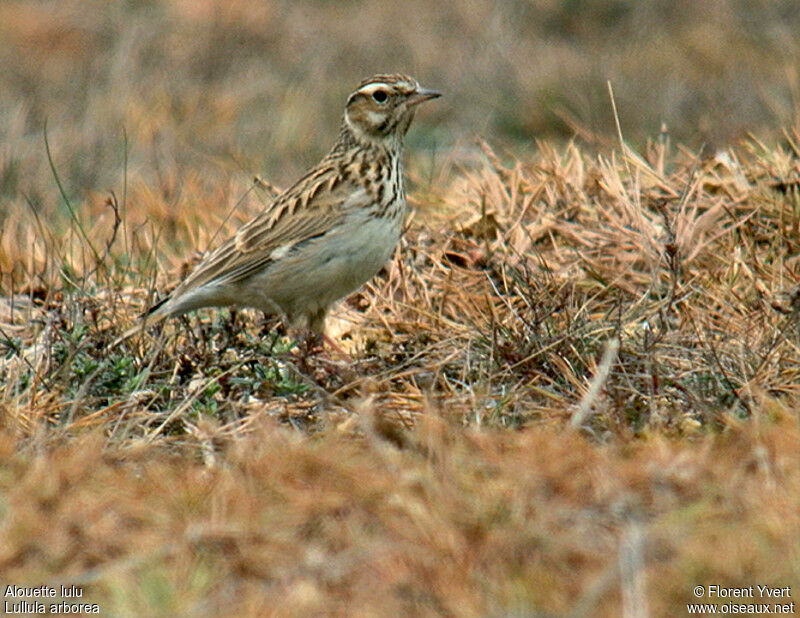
x=573, y=391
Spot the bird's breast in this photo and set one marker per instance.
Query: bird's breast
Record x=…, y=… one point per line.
x=323, y=269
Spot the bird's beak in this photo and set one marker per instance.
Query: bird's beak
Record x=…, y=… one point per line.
x=422, y=95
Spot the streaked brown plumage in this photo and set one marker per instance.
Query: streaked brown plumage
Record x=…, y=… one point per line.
x=327, y=234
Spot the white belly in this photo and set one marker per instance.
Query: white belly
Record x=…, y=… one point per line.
x=326, y=269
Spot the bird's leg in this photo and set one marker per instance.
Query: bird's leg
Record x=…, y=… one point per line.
x=272, y=328
x=196, y=341
x=315, y=340
x=229, y=327
x=307, y=347
x=316, y=324
x=311, y=355
x=340, y=352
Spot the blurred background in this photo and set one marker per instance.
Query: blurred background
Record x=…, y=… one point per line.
x=217, y=89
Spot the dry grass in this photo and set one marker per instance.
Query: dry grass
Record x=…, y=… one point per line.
x=213, y=462
x=470, y=523
x=572, y=392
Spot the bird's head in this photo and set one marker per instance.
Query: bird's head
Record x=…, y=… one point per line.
x=382, y=107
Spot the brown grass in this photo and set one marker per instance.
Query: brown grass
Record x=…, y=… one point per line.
x=572, y=392
x=215, y=463
x=472, y=522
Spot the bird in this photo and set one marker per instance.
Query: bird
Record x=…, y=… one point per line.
x=328, y=233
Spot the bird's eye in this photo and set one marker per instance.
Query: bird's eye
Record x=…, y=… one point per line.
x=380, y=96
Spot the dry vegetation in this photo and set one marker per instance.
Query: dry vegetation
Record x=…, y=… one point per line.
x=573, y=391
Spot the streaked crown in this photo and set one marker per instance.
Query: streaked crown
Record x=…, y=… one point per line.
x=382, y=107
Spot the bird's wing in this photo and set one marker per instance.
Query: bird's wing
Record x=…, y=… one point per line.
x=310, y=208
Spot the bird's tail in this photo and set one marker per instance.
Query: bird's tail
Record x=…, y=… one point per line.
x=152, y=316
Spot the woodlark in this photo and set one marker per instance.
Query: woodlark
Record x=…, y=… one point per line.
x=327, y=234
